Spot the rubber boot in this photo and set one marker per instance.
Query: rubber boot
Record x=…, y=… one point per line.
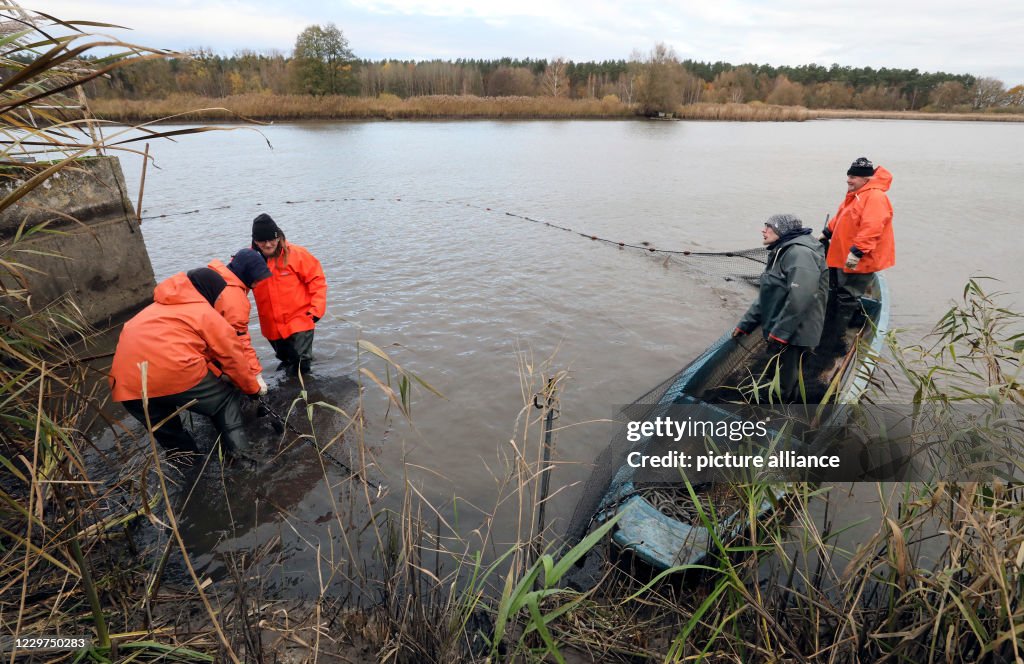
x=236, y=445
x=171, y=435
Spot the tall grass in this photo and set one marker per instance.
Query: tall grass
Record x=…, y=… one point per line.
x=754, y=112
x=67, y=557
x=427, y=107
x=386, y=106
x=938, y=575
x=993, y=115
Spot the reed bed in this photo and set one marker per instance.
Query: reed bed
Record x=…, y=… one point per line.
x=853, y=114
x=753, y=112
x=267, y=107
x=384, y=107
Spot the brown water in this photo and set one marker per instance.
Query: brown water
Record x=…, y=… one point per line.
x=461, y=295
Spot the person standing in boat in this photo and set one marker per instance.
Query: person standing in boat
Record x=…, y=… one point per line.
x=860, y=242
x=790, y=307
x=292, y=300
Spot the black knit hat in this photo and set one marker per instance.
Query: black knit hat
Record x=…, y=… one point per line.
x=265, y=228
x=862, y=167
x=249, y=266
x=209, y=284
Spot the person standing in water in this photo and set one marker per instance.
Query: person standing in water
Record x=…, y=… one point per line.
x=292, y=300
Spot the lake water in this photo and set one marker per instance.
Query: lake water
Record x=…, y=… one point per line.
x=409, y=222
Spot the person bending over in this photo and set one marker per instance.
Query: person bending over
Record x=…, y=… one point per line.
x=172, y=352
x=246, y=269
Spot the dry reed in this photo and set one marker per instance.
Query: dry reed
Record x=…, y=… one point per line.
x=268, y=107
x=853, y=114
x=385, y=107
x=753, y=112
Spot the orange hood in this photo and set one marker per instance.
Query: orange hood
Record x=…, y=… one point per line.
x=881, y=180
x=177, y=289
x=220, y=268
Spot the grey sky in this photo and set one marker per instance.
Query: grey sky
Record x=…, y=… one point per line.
x=981, y=38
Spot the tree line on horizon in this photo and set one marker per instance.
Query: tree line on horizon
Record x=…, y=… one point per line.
x=323, y=63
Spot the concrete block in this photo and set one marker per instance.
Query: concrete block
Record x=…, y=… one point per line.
x=91, y=249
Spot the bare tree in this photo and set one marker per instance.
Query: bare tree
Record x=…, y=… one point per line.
x=554, y=82
x=987, y=93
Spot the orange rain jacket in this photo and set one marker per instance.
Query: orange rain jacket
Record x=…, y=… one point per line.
x=179, y=335
x=864, y=220
x=233, y=305
x=294, y=293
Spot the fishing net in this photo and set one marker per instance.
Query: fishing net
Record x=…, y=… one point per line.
x=744, y=265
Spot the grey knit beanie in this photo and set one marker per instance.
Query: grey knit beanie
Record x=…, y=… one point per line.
x=783, y=223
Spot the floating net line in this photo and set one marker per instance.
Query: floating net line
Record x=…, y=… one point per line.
x=742, y=264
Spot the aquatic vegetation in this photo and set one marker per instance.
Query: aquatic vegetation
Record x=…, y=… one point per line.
x=426, y=107
x=384, y=107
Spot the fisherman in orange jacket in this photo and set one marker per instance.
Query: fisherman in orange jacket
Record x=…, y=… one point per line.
x=166, y=352
x=860, y=242
x=246, y=269
x=292, y=300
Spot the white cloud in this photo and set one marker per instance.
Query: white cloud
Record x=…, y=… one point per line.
x=981, y=38
x=222, y=26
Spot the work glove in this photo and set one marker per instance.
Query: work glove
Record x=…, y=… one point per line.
x=852, y=260
x=316, y=319
x=737, y=333
x=262, y=384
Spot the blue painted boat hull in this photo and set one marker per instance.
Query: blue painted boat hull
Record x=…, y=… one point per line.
x=664, y=542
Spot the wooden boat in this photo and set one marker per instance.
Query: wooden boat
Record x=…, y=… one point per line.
x=661, y=526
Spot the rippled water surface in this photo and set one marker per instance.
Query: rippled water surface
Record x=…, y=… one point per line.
x=409, y=222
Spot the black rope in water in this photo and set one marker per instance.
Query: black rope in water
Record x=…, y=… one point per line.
x=757, y=255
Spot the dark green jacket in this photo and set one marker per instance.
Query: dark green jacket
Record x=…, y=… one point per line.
x=794, y=291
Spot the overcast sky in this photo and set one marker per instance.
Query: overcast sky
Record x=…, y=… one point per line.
x=984, y=38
